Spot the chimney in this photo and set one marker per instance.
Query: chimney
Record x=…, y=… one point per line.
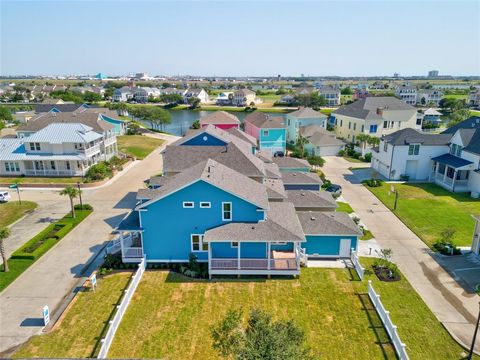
x=380, y=111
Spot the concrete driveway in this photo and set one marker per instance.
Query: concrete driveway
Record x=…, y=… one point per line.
x=54, y=276
x=455, y=307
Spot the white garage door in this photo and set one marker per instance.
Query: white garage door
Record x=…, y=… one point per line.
x=328, y=150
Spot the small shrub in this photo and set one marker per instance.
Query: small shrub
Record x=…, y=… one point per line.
x=98, y=172
x=373, y=182
x=367, y=157
x=112, y=261
x=84, y=207
x=404, y=177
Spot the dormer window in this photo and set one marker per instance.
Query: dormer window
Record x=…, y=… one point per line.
x=456, y=150
x=414, y=149
x=35, y=146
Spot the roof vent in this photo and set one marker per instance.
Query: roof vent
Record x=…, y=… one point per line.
x=303, y=194
x=253, y=227
x=312, y=218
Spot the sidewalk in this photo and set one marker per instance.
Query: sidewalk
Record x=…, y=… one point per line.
x=454, y=308
x=53, y=276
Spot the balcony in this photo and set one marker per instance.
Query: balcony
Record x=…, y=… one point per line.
x=131, y=247
x=90, y=151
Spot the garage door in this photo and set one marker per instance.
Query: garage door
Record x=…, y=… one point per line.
x=329, y=150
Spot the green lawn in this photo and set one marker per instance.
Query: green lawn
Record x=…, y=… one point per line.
x=367, y=235
x=428, y=209
x=12, y=211
x=137, y=145
x=456, y=96
x=474, y=113
x=79, y=332
x=344, y=207
x=18, y=265
x=353, y=160
x=40, y=180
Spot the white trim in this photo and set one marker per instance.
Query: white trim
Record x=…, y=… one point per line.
x=173, y=261
x=189, y=202
x=231, y=211
x=200, y=243
x=208, y=203
x=279, y=242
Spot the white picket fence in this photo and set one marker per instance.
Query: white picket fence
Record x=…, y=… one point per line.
x=356, y=263
x=384, y=315
x=114, y=324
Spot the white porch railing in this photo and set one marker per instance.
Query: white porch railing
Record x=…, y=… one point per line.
x=92, y=150
x=303, y=256
x=114, y=324
x=129, y=251
x=253, y=264
x=53, y=173
x=384, y=315
x=356, y=263
x=114, y=246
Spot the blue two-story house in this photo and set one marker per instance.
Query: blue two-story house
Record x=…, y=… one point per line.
x=270, y=132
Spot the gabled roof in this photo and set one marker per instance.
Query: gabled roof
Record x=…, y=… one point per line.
x=218, y=175
x=301, y=178
x=13, y=149
x=264, y=121
x=290, y=162
x=272, y=171
x=311, y=199
x=411, y=136
x=275, y=188
x=311, y=129
x=432, y=112
x=367, y=108
x=43, y=108
x=219, y=118
x=89, y=118
x=242, y=135
x=281, y=225
x=265, y=156
x=470, y=133
x=220, y=134
x=306, y=112
x=320, y=139
x=327, y=223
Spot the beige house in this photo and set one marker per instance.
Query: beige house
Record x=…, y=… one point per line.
x=375, y=116
x=244, y=97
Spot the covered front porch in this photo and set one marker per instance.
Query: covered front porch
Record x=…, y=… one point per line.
x=254, y=258
x=451, y=172
x=130, y=239
x=56, y=167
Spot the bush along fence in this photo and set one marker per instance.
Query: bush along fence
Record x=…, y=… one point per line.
x=356, y=263
x=22, y=258
x=384, y=315
x=117, y=318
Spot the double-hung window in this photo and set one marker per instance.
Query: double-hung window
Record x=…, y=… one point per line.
x=414, y=149
x=35, y=146
x=197, y=243
x=226, y=211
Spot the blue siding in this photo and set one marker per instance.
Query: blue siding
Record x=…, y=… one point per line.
x=286, y=247
x=224, y=250
x=301, y=187
x=118, y=124
x=205, y=139
x=326, y=245
x=168, y=226
x=253, y=250
x=274, y=141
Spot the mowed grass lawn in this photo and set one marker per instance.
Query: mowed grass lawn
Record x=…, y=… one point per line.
x=79, y=332
x=40, y=180
x=170, y=316
x=12, y=210
x=427, y=210
x=137, y=145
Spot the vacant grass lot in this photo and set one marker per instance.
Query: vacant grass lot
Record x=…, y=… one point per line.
x=79, y=332
x=12, y=211
x=170, y=316
x=137, y=145
x=427, y=209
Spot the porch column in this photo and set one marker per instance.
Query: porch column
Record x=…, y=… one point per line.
x=56, y=167
x=209, y=260
x=454, y=179
x=269, y=247
x=297, y=254
x=445, y=173
x=43, y=167
x=238, y=255
x=121, y=243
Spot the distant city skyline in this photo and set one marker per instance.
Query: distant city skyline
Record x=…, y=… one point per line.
x=324, y=38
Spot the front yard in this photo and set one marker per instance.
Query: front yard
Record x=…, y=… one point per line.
x=170, y=317
x=12, y=210
x=428, y=209
x=138, y=146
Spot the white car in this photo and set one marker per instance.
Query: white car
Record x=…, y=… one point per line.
x=4, y=196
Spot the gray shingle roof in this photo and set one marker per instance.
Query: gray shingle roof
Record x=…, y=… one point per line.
x=281, y=225
x=309, y=130
x=242, y=135
x=327, y=223
x=275, y=188
x=219, y=117
x=158, y=180
x=272, y=171
x=302, y=178
x=311, y=199
x=43, y=108
x=220, y=176
x=367, y=108
x=264, y=121
x=320, y=139
x=411, y=136
x=220, y=134
x=290, y=162
x=471, y=141
x=307, y=113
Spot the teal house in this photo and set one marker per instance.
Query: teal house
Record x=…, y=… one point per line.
x=270, y=132
x=119, y=126
x=301, y=118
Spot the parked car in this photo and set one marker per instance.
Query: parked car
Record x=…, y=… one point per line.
x=279, y=154
x=334, y=189
x=4, y=196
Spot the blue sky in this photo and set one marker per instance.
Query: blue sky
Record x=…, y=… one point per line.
x=227, y=38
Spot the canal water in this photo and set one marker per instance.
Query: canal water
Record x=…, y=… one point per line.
x=183, y=119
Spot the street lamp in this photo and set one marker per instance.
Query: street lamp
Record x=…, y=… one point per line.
x=474, y=334
x=80, y=195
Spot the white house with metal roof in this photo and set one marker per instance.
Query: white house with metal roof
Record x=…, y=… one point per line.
x=59, y=149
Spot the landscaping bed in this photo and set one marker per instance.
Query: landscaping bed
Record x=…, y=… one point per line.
x=36, y=247
x=428, y=210
x=12, y=210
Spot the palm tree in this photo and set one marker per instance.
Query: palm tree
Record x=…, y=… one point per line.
x=301, y=142
x=4, y=233
x=72, y=193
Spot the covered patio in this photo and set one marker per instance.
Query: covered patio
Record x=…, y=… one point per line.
x=130, y=238
x=451, y=172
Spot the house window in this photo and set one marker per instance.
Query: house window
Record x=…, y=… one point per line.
x=205, y=205
x=354, y=126
x=226, y=211
x=34, y=146
x=197, y=243
x=12, y=166
x=414, y=149
x=385, y=124
x=234, y=244
x=37, y=146
x=341, y=123
x=67, y=164
x=456, y=150
x=373, y=129
x=265, y=132
x=188, y=204
x=52, y=165
x=419, y=121
x=385, y=146
x=349, y=125
x=363, y=128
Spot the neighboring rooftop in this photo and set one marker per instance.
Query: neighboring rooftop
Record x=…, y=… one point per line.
x=275, y=189
x=219, y=118
x=411, y=136
x=469, y=133
x=290, y=162
x=303, y=178
x=372, y=107
x=306, y=112
x=327, y=223
x=45, y=107
x=311, y=199
x=264, y=121
x=59, y=133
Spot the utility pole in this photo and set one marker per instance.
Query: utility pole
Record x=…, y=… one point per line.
x=470, y=354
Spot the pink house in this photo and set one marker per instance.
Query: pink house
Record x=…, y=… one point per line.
x=220, y=119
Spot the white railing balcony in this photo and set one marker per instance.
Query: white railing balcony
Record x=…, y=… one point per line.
x=254, y=264
x=132, y=252
x=51, y=172
x=109, y=140
x=92, y=150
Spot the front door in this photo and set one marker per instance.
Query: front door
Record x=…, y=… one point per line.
x=345, y=247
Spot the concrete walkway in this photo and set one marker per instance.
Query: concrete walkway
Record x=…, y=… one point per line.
x=54, y=275
x=451, y=304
